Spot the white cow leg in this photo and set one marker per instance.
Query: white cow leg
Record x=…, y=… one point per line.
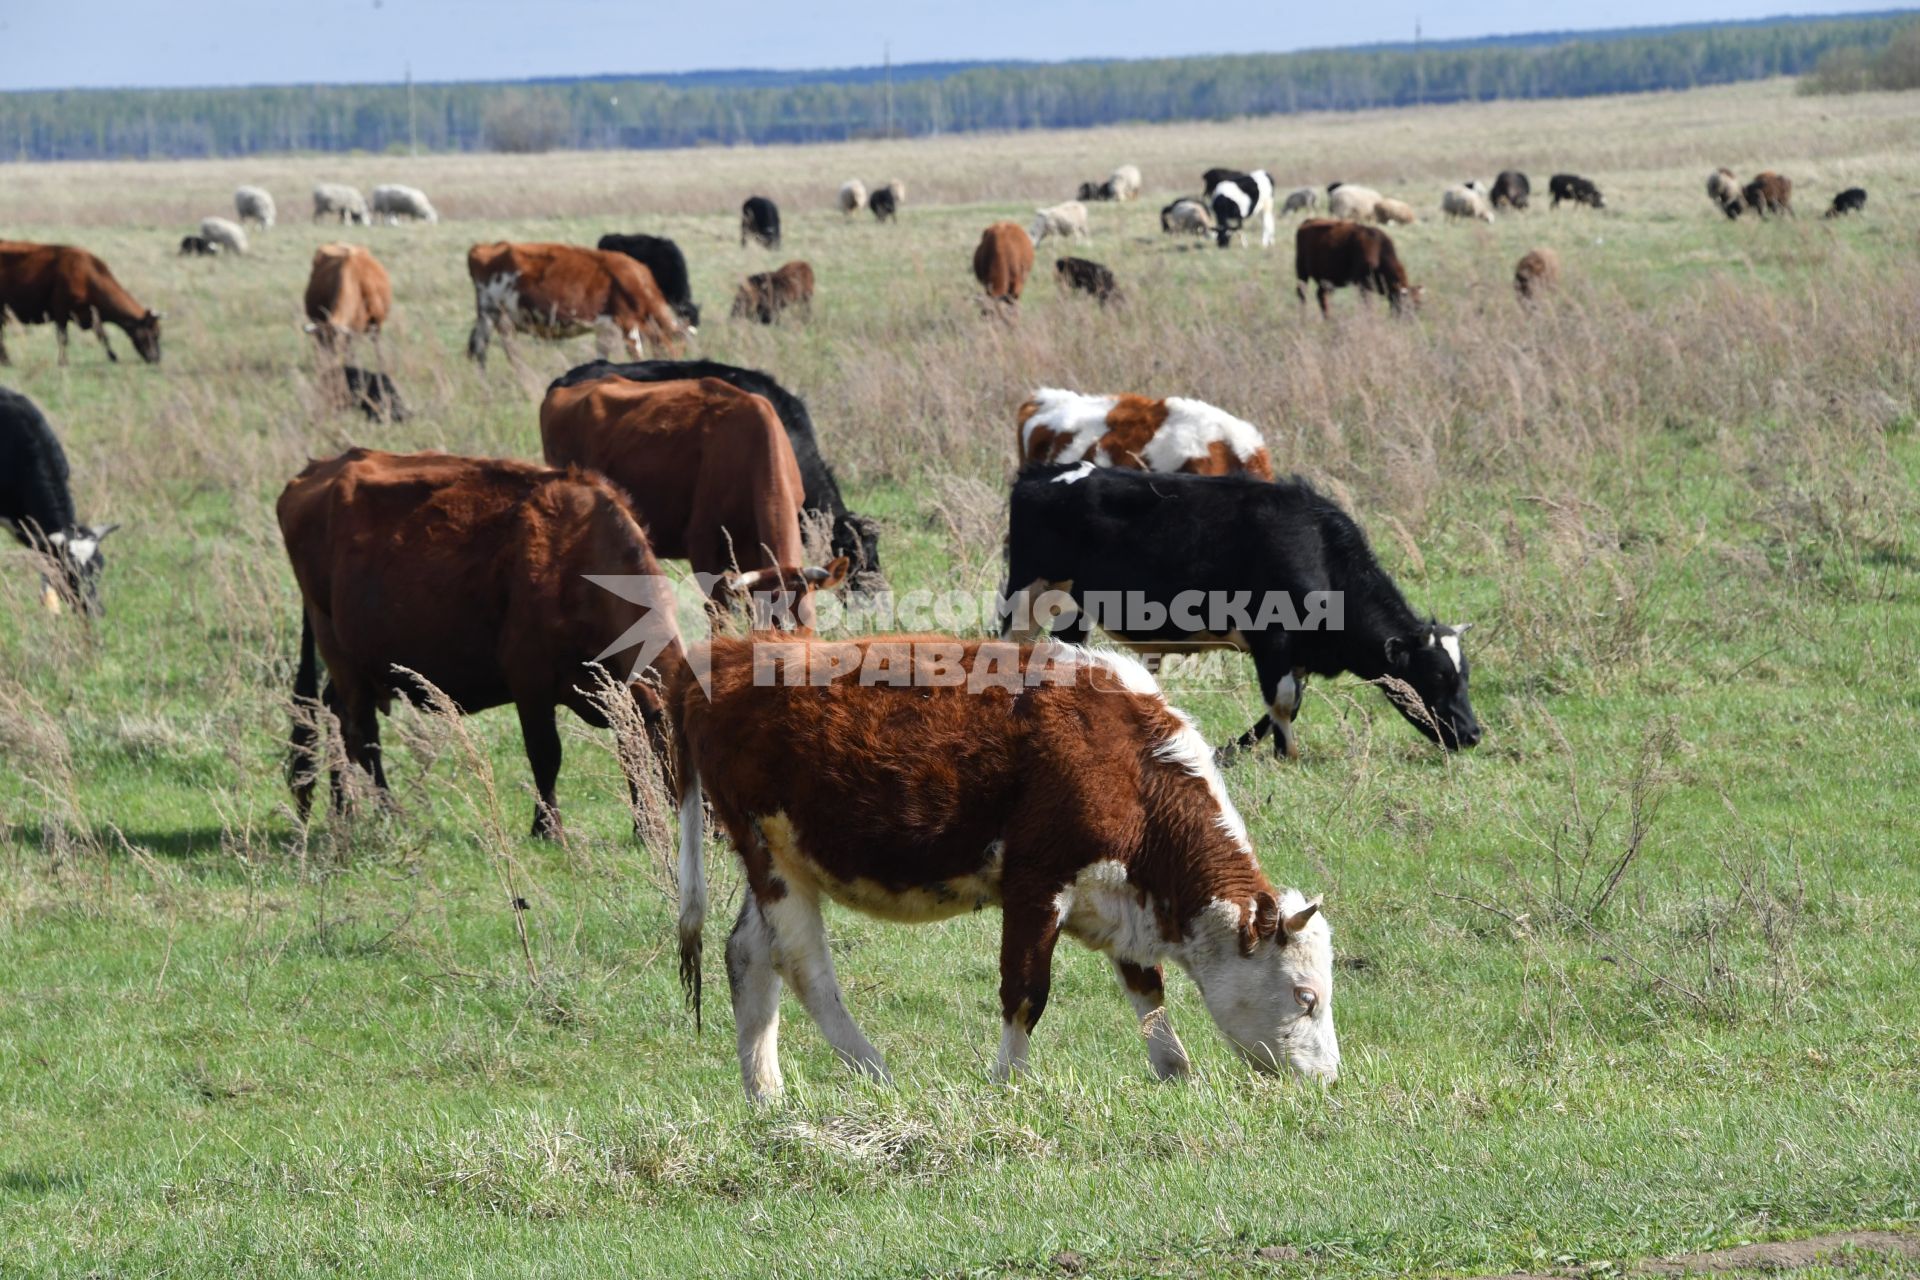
x=800, y=948
x=1146, y=991
x=1012, y=1061
x=1287, y=698
x=756, y=1001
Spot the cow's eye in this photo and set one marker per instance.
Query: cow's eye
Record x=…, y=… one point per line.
x=1306, y=997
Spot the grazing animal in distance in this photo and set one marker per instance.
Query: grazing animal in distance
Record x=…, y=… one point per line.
x=62, y=285
x=1770, y=193
x=1174, y=434
x=1067, y=221
x=856, y=537
x=769, y=294
x=1301, y=200
x=373, y=393
x=36, y=506
x=1511, y=190
x=472, y=574
x=198, y=247
x=348, y=293
x=1465, y=202
x=1235, y=199
x=661, y=257
x=760, y=222
x=392, y=202
x=253, y=204
x=1079, y=275
x=339, y=201
x=1335, y=254
x=1387, y=212
x=562, y=291
x=225, y=233
x=1353, y=203
x=1186, y=216
x=1574, y=188
x=1536, y=273
x=884, y=205
x=1852, y=200
x=1124, y=183
x=1003, y=260
x=1273, y=559
x=1724, y=190
x=853, y=196
x=1081, y=804
x=1095, y=191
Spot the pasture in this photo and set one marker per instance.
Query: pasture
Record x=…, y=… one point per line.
x=1633, y=979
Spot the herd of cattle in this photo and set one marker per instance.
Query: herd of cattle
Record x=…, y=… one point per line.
x=911, y=777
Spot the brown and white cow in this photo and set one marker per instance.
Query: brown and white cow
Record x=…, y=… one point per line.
x=469, y=572
x=1003, y=260
x=348, y=292
x=1174, y=434
x=563, y=291
x=57, y=283
x=917, y=778
x=708, y=466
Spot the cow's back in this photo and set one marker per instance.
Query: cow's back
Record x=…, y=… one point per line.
x=1003, y=260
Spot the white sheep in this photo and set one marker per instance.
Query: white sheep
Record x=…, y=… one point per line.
x=228, y=235
x=1186, y=215
x=1125, y=182
x=1465, y=201
x=899, y=190
x=253, y=204
x=1387, y=210
x=1351, y=202
x=338, y=200
x=1301, y=199
x=853, y=196
x=1068, y=220
x=395, y=202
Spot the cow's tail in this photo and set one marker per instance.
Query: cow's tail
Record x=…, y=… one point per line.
x=303, y=761
x=693, y=872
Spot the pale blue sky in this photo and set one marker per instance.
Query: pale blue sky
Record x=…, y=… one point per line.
x=93, y=43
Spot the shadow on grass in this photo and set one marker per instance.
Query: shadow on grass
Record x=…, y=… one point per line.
x=38, y=1182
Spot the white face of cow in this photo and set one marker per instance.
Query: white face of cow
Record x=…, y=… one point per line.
x=1273, y=999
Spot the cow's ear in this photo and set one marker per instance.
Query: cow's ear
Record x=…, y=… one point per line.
x=829, y=578
x=1396, y=650
x=1261, y=923
x=100, y=531
x=1298, y=920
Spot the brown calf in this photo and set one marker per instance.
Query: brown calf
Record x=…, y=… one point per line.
x=57, y=283
x=765, y=295
x=562, y=291
x=1174, y=434
x=348, y=292
x=1003, y=261
x=1770, y=193
x=1536, y=273
x=1336, y=253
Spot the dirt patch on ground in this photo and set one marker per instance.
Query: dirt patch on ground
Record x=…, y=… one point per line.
x=1779, y=1255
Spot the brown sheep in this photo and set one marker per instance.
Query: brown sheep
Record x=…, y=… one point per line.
x=1536, y=273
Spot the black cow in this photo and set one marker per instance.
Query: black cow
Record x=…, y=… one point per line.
x=1179, y=563
x=1571, y=186
x=854, y=536
x=197, y=247
x=760, y=220
x=374, y=394
x=1079, y=275
x=37, y=506
x=883, y=206
x=1852, y=200
x=1511, y=189
x=669, y=266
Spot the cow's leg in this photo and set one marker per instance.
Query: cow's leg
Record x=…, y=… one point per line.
x=1029, y=927
x=100, y=332
x=477, y=340
x=1283, y=686
x=4, y=357
x=360, y=733
x=756, y=1000
x=800, y=949
x=542, y=738
x=1300, y=290
x=60, y=340
x=1266, y=229
x=1326, y=291
x=1146, y=990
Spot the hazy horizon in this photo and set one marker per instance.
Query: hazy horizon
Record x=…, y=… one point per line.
x=230, y=43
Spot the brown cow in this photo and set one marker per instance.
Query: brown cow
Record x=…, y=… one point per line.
x=1003, y=261
x=468, y=572
x=1174, y=434
x=348, y=292
x=920, y=777
x=563, y=291
x=707, y=466
x=1334, y=253
x=1770, y=193
x=1536, y=273
x=765, y=295
x=65, y=285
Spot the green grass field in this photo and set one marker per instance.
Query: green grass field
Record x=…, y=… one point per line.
x=1633, y=979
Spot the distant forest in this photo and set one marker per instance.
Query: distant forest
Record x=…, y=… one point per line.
x=723, y=108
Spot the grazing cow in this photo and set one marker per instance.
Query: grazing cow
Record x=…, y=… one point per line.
x=1237, y=197
x=663, y=258
x=1186, y=216
x=1067, y=220
x=1335, y=254
x=562, y=291
x=37, y=507
x=1536, y=273
x=373, y=393
x=853, y=196
x=1724, y=190
x=1124, y=183
x=1511, y=190
x=225, y=233
x=1353, y=203
x=1852, y=200
x=1465, y=202
x=1079, y=804
x=348, y=292
x=57, y=283
x=1573, y=187
x=471, y=574
x=1003, y=260
x=394, y=202
x=1174, y=434
x=884, y=204
x=768, y=294
x=1301, y=200
x=340, y=202
x=1079, y=275
x=706, y=465
x=855, y=537
x=1387, y=212
x=198, y=247
x=1204, y=562
x=253, y=204
x=760, y=222
x=1770, y=193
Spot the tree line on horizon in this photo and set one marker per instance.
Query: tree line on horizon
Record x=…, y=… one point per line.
x=637, y=113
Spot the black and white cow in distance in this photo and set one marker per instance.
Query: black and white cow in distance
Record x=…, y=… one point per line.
x=37, y=507
x=1186, y=563
x=1238, y=197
